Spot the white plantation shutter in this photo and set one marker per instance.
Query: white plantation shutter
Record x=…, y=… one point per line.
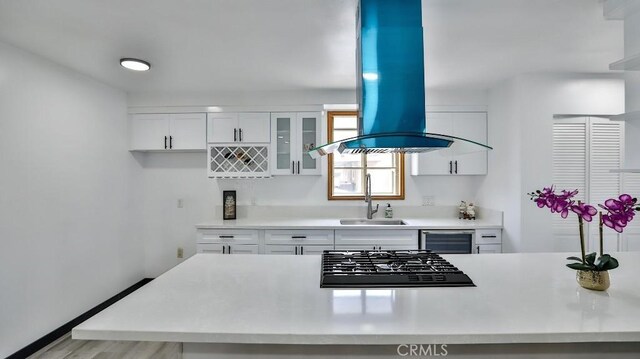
x=585, y=150
x=569, y=172
x=606, y=149
x=631, y=235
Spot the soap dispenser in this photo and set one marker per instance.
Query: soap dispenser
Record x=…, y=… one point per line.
x=388, y=212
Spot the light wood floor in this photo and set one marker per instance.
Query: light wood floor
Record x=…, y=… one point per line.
x=68, y=348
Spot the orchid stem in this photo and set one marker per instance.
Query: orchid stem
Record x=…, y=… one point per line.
x=601, y=236
x=581, y=222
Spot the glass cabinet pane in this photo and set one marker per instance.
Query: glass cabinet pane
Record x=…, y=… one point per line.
x=283, y=146
x=309, y=135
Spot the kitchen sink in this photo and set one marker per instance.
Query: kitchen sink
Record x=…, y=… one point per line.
x=372, y=222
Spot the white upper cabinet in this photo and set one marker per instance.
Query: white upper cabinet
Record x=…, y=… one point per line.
x=152, y=132
x=187, y=131
x=467, y=125
x=250, y=127
x=292, y=136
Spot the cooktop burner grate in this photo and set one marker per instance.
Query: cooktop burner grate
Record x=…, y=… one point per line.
x=388, y=269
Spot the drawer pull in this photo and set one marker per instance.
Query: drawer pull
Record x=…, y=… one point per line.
x=490, y=236
x=226, y=237
x=298, y=237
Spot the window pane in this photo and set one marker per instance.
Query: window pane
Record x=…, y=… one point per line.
x=350, y=122
x=381, y=160
x=347, y=160
x=383, y=181
x=347, y=182
x=339, y=135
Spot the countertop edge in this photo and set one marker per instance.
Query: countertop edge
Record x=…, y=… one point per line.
x=366, y=339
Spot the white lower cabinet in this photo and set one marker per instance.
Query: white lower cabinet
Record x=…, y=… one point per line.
x=390, y=239
x=488, y=241
x=298, y=242
x=228, y=248
x=296, y=249
x=488, y=248
x=228, y=241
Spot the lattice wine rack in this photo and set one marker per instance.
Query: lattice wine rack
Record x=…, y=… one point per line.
x=239, y=161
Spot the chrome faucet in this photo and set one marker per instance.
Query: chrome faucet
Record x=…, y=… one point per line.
x=367, y=197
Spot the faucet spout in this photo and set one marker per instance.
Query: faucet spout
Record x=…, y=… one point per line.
x=367, y=198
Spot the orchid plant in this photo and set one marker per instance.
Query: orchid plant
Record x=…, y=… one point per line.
x=618, y=213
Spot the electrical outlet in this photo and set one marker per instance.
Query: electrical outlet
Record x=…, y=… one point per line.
x=428, y=200
x=180, y=252
x=180, y=203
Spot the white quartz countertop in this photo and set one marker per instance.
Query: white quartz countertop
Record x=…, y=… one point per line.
x=334, y=223
x=519, y=298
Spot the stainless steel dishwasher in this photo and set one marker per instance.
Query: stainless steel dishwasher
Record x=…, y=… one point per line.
x=447, y=241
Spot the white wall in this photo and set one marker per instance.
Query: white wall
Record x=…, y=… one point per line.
x=65, y=197
x=501, y=188
x=167, y=177
x=524, y=108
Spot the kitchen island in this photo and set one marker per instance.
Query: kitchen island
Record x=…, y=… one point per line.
x=251, y=305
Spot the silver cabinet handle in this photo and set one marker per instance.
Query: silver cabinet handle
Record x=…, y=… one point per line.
x=478, y=249
x=293, y=167
x=165, y=142
x=298, y=237
x=296, y=249
x=240, y=134
x=298, y=167
x=301, y=250
x=229, y=249
x=223, y=249
x=450, y=167
x=456, y=167
x=235, y=135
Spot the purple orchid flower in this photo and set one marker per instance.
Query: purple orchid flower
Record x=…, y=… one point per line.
x=558, y=203
x=619, y=212
x=585, y=211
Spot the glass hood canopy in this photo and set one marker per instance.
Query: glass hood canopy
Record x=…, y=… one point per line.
x=390, y=85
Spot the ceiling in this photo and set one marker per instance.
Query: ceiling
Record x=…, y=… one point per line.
x=283, y=45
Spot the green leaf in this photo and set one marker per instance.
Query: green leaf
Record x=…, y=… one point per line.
x=611, y=264
x=580, y=266
x=574, y=259
x=602, y=262
x=590, y=258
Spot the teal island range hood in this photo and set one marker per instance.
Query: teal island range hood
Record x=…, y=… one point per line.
x=390, y=85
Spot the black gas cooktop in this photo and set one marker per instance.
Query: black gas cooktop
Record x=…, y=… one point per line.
x=389, y=269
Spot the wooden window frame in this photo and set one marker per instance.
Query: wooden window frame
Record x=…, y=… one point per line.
x=400, y=160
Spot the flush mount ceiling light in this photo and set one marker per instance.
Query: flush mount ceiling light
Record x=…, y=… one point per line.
x=135, y=64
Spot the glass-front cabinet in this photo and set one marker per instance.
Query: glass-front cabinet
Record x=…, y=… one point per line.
x=293, y=134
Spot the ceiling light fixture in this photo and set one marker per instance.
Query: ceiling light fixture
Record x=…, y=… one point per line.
x=135, y=64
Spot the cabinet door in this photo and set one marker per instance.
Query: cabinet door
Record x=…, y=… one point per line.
x=149, y=131
x=435, y=162
x=279, y=249
x=228, y=236
x=488, y=248
x=243, y=249
x=188, y=131
x=222, y=127
x=379, y=237
x=308, y=137
x=488, y=236
x=314, y=250
x=399, y=248
x=299, y=237
x=356, y=247
x=254, y=127
x=282, y=143
x=210, y=248
x=471, y=126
